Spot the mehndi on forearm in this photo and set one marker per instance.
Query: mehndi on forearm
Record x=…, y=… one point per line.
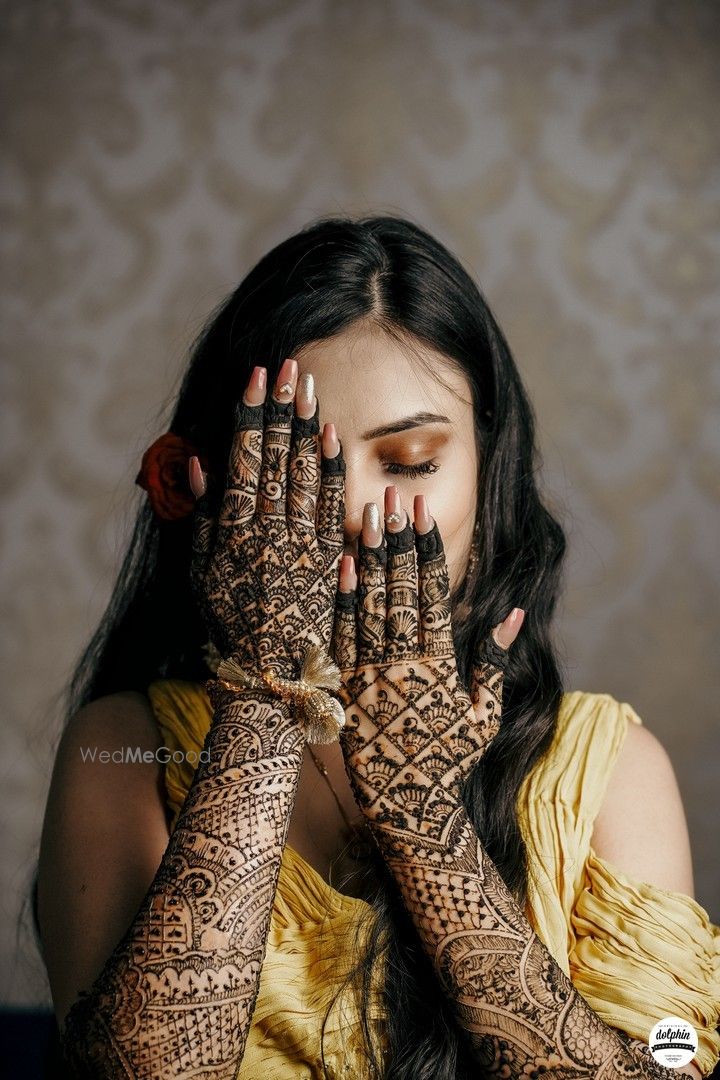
x=177, y=994
x=518, y=1008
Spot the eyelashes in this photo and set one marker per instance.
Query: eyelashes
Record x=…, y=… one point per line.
x=423, y=468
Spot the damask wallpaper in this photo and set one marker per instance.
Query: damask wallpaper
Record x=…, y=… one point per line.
x=567, y=150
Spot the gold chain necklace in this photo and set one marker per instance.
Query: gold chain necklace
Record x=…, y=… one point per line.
x=322, y=769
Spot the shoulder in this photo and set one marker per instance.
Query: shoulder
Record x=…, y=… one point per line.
x=123, y=721
x=103, y=776
x=589, y=731
x=125, y=713
x=104, y=834
x=106, y=756
x=615, y=779
x=640, y=827
x=588, y=709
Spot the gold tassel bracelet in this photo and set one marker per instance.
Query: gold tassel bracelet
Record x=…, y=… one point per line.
x=321, y=715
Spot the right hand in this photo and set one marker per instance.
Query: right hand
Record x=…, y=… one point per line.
x=264, y=574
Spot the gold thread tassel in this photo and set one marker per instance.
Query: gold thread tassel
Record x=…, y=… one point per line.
x=321, y=715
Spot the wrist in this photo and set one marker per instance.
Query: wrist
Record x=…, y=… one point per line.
x=251, y=726
x=283, y=668
x=449, y=846
x=228, y=700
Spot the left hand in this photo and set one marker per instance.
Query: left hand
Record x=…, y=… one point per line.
x=411, y=728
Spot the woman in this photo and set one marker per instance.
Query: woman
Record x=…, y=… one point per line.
x=385, y=842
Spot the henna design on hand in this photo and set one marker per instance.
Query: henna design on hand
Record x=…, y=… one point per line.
x=410, y=724
x=265, y=572
x=176, y=996
x=408, y=743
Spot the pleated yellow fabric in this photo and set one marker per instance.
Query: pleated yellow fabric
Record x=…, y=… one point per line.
x=637, y=953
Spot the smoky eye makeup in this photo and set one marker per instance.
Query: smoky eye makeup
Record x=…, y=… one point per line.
x=413, y=457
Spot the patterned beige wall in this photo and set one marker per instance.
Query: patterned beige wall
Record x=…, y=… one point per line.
x=568, y=150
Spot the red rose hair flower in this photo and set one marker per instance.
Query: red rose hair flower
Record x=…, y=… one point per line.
x=164, y=476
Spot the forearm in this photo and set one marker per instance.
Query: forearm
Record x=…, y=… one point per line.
x=517, y=1006
x=177, y=994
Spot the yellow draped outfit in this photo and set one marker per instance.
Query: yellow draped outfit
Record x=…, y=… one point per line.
x=636, y=953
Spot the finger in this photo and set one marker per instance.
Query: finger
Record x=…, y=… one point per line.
x=433, y=584
x=371, y=589
x=491, y=662
x=331, y=500
x=486, y=685
x=345, y=628
x=272, y=490
x=243, y=474
x=304, y=478
x=203, y=526
x=507, y=631
x=401, y=584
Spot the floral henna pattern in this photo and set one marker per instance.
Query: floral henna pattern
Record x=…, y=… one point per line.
x=265, y=571
x=177, y=994
x=410, y=740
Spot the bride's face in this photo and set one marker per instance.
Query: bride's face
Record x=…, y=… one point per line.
x=366, y=385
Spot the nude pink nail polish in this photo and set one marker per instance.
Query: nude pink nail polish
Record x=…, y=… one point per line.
x=198, y=484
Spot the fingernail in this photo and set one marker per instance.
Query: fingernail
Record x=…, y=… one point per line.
x=394, y=513
x=255, y=390
x=306, y=387
x=284, y=386
x=372, y=525
x=422, y=514
x=198, y=483
x=347, y=573
x=331, y=446
x=515, y=614
x=305, y=399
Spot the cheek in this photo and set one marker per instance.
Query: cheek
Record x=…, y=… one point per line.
x=457, y=554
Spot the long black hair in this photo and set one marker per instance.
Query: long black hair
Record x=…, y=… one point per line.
x=389, y=272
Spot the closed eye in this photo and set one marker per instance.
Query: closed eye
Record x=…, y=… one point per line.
x=423, y=468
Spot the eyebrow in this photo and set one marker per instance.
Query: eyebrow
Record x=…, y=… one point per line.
x=407, y=422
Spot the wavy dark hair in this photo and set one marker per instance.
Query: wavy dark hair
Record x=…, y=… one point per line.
x=392, y=274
